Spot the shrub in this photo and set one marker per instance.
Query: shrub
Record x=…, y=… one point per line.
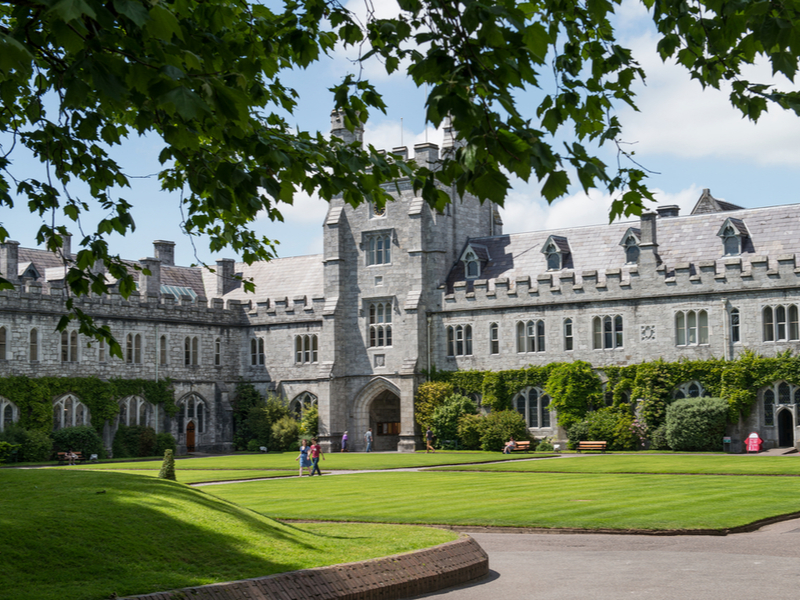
x=134, y=441
x=430, y=395
x=498, y=427
x=82, y=439
x=658, y=439
x=309, y=425
x=7, y=449
x=245, y=399
x=579, y=432
x=168, y=466
x=544, y=446
x=613, y=425
x=696, y=424
x=37, y=446
x=469, y=431
x=444, y=420
x=164, y=442
x=285, y=434
x=253, y=446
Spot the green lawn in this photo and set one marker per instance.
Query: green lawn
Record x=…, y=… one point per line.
x=78, y=535
x=339, y=461
x=203, y=476
x=588, y=501
x=652, y=463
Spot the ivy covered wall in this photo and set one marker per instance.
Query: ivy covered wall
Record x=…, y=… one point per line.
x=573, y=393
x=34, y=396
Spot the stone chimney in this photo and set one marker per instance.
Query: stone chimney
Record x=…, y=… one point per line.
x=150, y=285
x=225, y=280
x=426, y=155
x=165, y=252
x=339, y=130
x=648, y=243
x=9, y=260
x=401, y=152
x=671, y=210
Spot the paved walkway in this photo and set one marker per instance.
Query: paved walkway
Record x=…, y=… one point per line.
x=761, y=564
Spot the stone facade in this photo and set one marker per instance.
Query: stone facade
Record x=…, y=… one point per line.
x=404, y=288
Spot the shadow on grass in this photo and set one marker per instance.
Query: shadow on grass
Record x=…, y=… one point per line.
x=90, y=534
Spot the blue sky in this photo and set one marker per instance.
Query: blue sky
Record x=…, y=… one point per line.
x=692, y=138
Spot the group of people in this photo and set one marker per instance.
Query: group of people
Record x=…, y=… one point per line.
x=309, y=457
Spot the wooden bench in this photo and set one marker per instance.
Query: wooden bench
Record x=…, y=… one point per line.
x=63, y=460
x=522, y=447
x=592, y=446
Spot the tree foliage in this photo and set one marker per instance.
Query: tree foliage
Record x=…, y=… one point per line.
x=78, y=78
x=574, y=389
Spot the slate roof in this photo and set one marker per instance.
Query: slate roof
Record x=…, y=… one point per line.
x=773, y=231
x=277, y=279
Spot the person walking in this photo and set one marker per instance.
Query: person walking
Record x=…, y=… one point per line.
x=429, y=441
x=368, y=439
x=305, y=461
x=344, y=442
x=316, y=453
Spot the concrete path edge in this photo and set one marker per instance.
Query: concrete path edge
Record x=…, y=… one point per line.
x=390, y=578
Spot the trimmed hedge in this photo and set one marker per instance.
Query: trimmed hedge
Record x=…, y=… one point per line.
x=696, y=424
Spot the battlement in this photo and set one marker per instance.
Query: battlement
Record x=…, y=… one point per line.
x=725, y=275
x=273, y=310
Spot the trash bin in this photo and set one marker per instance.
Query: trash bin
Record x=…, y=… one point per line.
x=726, y=444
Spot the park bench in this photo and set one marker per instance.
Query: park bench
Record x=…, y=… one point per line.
x=592, y=446
x=63, y=460
x=522, y=447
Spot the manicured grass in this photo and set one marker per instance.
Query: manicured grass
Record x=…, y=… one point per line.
x=78, y=535
x=590, y=501
x=202, y=476
x=358, y=461
x=652, y=463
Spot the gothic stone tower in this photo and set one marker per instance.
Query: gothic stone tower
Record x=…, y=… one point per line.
x=382, y=270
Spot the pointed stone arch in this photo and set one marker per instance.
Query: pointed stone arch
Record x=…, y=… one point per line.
x=376, y=388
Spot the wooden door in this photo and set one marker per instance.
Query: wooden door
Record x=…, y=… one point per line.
x=190, y=437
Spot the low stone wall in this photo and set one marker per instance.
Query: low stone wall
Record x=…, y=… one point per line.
x=390, y=578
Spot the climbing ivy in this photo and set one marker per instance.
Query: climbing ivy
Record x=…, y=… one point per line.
x=34, y=396
x=649, y=384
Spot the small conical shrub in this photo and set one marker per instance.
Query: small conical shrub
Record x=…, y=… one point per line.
x=168, y=468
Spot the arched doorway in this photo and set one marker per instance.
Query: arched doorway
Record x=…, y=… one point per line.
x=384, y=419
x=785, y=429
x=190, y=436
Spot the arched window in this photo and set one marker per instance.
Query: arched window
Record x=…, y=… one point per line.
x=301, y=403
x=380, y=324
x=731, y=241
x=607, y=332
x=553, y=258
x=256, y=351
x=68, y=411
x=735, y=332
x=769, y=332
x=133, y=349
x=690, y=389
x=691, y=328
x=530, y=336
x=459, y=340
x=534, y=405
x=306, y=348
x=568, y=334
x=694, y=390
x=73, y=346
x=780, y=323
x=769, y=408
x=191, y=350
x=101, y=351
x=217, y=352
x=135, y=410
x=784, y=393
x=192, y=409
x=631, y=251
x=162, y=350
x=33, y=345
x=3, y=344
x=379, y=249
x=494, y=338
x=9, y=413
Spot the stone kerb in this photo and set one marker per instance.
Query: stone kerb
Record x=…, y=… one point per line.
x=720, y=276
x=393, y=577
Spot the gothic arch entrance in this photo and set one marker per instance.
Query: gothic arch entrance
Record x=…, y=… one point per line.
x=190, y=436
x=377, y=406
x=785, y=429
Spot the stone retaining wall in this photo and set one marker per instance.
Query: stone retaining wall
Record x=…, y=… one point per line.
x=390, y=578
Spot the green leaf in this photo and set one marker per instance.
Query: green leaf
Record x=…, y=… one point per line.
x=555, y=186
x=133, y=10
x=537, y=40
x=70, y=10
x=183, y=100
x=163, y=24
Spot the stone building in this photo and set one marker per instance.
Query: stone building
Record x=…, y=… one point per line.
x=400, y=289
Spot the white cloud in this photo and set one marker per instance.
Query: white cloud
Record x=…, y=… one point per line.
x=387, y=135
x=678, y=117
x=526, y=210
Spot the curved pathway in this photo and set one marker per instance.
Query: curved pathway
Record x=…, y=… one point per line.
x=759, y=564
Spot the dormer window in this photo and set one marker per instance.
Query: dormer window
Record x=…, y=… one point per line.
x=556, y=251
x=630, y=243
x=733, y=233
x=475, y=258
x=471, y=265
